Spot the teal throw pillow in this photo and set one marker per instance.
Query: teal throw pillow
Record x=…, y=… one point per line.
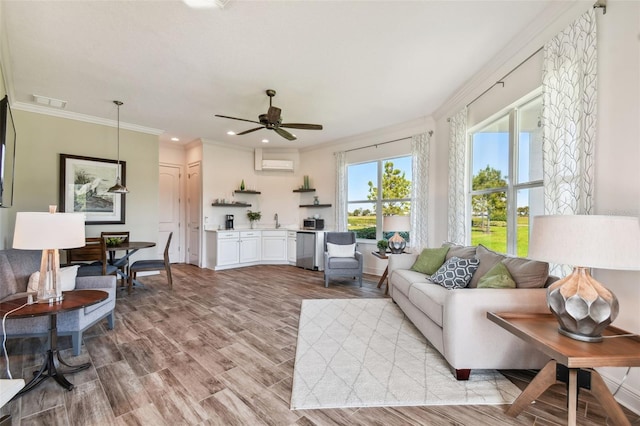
x=497, y=277
x=430, y=260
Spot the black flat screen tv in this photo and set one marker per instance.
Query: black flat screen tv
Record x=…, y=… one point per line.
x=7, y=153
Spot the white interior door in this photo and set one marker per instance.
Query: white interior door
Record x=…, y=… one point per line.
x=170, y=216
x=194, y=208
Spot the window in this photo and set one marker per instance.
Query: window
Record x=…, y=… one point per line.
x=374, y=187
x=506, y=178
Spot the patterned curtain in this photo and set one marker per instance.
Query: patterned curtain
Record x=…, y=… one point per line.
x=457, y=226
x=341, y=191
x=569, y=83
x=419, y=190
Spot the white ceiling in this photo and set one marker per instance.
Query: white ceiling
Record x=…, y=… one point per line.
x=352, y=66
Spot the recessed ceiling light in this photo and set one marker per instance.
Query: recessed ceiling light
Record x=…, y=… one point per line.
x=231, y=132
x=265, y=140
x=175, y=139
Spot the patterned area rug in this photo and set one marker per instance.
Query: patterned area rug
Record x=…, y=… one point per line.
x=366, y=353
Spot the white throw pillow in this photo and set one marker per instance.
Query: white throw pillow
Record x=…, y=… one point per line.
x=341, y=250
x=67, y=279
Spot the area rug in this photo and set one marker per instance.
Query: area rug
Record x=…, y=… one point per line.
x=366, y=353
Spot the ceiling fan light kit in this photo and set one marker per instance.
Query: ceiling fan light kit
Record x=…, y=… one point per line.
x=272, y=120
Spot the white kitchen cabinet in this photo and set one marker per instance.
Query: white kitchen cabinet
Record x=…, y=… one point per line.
x=274, y=246
x=223, y=249
x=291, y=247
x=250, y=246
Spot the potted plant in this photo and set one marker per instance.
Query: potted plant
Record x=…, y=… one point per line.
x=253, y=217
x=382, y=246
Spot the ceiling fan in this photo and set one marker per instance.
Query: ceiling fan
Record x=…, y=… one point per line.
x=273, y=121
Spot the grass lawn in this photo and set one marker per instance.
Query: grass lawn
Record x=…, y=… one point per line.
x=496, y=238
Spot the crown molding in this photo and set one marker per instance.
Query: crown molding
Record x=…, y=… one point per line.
x=23, y=106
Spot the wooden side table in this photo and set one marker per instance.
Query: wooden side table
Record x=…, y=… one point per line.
x=386, y=270
x=572, y=361
x=73, y=300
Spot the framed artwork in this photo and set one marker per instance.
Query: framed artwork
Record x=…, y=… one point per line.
x=84, y=182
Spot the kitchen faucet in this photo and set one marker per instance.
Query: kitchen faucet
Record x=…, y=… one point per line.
x=277, y=223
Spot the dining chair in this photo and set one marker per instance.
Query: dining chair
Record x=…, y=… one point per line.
x=152, y=265
x=92, y=258
x=122, y=236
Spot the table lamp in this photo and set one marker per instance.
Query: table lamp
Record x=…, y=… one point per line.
x=396, y=224
x=49, y=232
x=583, y=306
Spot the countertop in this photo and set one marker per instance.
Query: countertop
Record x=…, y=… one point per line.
x=215, y=229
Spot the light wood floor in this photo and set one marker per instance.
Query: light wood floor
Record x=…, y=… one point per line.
x=219, y=349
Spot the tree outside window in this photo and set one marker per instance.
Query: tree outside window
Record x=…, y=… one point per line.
x=378, y=189
x=506, y=178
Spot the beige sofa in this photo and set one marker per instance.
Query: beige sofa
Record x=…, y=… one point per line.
x=455, y=321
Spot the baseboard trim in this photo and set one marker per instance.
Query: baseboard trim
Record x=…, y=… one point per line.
x=626, y=396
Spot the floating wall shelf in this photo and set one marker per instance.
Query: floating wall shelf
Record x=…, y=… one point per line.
x=305, y=190
x=230, y=205
x=246, y=191
x=315, y=205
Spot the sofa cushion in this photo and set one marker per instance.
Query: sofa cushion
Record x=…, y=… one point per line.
x=430, y=260
x=429, y=298
x=343, y=263
x=455, y=273
x=403, y=279
x=488, y=260
x=497, y=277
x=527, y=273
x=456, y=250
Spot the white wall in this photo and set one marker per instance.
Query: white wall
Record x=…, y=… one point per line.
x=617, y=160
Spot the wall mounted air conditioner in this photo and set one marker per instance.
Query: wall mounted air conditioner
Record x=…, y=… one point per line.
x=282, y=165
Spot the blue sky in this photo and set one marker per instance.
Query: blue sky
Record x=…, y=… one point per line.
x=361, y=174
x=493, y=149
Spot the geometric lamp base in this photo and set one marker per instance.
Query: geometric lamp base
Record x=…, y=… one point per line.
x=582, y=306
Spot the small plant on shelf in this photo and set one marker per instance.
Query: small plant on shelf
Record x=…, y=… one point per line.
x=253, y=217
x=382, y=246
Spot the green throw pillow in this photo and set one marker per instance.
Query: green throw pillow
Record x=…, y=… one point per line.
x=430, y=260
x=497, y=277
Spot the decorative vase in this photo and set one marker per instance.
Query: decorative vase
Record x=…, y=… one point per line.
x=315, y=200
x=242, y=185
x=252, y=224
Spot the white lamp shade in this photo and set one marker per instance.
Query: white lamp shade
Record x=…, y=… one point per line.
x=594, y=241
x=39, y=230
x=396, y=224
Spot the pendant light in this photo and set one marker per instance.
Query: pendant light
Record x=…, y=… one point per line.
x=118, y=188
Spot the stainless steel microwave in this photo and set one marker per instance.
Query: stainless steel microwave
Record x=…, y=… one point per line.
x=313, y=223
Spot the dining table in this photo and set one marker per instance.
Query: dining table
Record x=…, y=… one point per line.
x=130, y=248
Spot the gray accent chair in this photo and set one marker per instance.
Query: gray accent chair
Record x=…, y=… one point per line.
x=342, y=266
x=15, y=268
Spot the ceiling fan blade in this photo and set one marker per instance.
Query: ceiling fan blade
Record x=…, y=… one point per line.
x=302, y=126
x=273, y=115
x=284, y=134
x=234, y=118
x=249, y=131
